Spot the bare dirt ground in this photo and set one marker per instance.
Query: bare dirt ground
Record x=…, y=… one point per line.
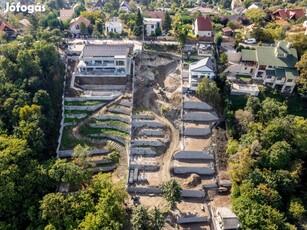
x=196, y=144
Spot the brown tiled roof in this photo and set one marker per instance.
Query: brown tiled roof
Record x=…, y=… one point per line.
x=5, y=27
x=79, y=20
x=227, y=29
x=155, y=14
x=66, y=14
x=289, y=13
x=204, y=23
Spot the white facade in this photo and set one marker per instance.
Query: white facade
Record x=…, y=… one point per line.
x=124, y=6
x=151, y=24
x=114, y=25
x=199, y=70
x=104, y=61
x=202, y=27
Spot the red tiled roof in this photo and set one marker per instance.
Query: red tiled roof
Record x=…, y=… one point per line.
x=79, y=20
x=155, y=14
x=289, y=13
x=4, y=25
x=204, y=23
x=227, y=29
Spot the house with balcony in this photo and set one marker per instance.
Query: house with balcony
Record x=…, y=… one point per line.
x=151, y=25
x=104, y=66
x=199, y=70
x=273, y=66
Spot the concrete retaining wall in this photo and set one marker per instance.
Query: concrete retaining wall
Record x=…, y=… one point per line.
x=189, y=220
x=197, y=170
x=196, y=132
x=142, y=117
x=144, y=190
x=148, y=124
x=193, y=193
x=144, y=167
x=193, y=155
x=119, y=110
x=106, y=126
x=147, y=143
x=142, y=151
x=203, y=106
x=78, y=116
x=151, y=133
x=126, y=103
x=68, y=153
x=117, y=139
x=201, y=116
x=84, y=108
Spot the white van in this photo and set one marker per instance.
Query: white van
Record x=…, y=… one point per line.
x=250, y=41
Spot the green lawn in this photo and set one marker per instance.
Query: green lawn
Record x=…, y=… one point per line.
x=244, y=78
x=85, y=103
x=71, y=120
x=68, y=141
x=189, y=61
x=78, y=112
x=86, y=130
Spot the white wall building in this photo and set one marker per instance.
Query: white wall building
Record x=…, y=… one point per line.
x=124, y=6
x=151, y=24
x=104, y=61
x=199, y=70
x=75, y=24
x=114, y=25
x=202, y=27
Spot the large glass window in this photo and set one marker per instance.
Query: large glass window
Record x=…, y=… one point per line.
x=120, y=63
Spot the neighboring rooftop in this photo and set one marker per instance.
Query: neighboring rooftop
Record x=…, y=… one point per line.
x=204, y=23
x=155, y=14
x=105, y=50
x=203, y=62
x=66, y=14
x=80, y=19
x=280, y=55
x=229, y=219
x=290, y=13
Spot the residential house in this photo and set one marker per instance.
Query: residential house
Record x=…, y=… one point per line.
x=274, y=66
x=202, y=27
x=305, y=26
x=203, y=10
x=114, y=25
x=240, y=10
x=155, y=14
x=227, y=31
x=253, y=7
x=124, y=6
x=75, y=24
x=104, y=61
x=199, y=70
x=5, y=27
x=292, y=14
x=66, y=14
x=151, y=25
x=226, y=219
x=23, y=24
x=235, y=3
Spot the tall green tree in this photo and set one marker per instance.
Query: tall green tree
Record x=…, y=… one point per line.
x=139, y=26
x=167, y=24
x=208, y=90
x=140, y=218
x=171, y=191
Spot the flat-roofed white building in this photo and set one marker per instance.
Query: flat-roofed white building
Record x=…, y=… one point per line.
x=114, y=25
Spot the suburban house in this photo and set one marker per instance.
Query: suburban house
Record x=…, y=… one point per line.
x=199, y=70
x=66, y=14
x=5, y=27
x=292, y=14
x=274, y=66
x=202, y=27
x=103, y=66
x=203, y=10
x=75, y=24
x=155, y=14
x=124, y=6
x=114, y=25
x=151, y=24
x=23, y=24
x=226, y=219
x=305, y=26
x=227, y=31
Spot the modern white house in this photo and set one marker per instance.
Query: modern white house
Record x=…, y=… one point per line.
x=274, y=66
x=75, y=24
x=199, y=70
x=104, y=61
x=226, y=219
x=202, y=27
x=151, y=24
x=114, y=25
x=124, y=6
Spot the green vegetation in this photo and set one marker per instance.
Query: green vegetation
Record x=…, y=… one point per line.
x=162, y=48
x=84, y=103
x=111, y=122
x=171, y=191
x=266, y=165
x=86, y=130
x=68, y=141
x=143, y=219
x=244, y=78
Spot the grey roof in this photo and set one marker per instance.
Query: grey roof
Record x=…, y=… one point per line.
x=193, y=219
x=142, y=151
x=196, y=105
x=196, y=132
x=200, y=116
x=193, y=193
x=151, y=133
x=203, y=62
x=93, y=50
x=195, y=155
x=197, y=170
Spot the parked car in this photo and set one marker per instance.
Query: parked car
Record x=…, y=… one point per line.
x=250, y=41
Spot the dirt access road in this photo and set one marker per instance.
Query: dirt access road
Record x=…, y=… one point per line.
x=165, y=173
